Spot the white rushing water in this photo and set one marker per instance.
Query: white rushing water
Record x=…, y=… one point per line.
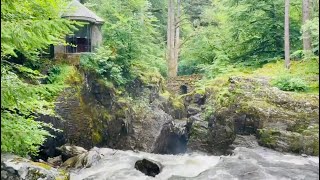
x=258, y=163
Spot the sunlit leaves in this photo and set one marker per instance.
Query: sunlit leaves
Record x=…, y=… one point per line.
x=30, y=26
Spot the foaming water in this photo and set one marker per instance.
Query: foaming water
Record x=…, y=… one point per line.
x=258, y=163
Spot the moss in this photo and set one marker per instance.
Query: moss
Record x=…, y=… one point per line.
x=106, y=116
x=266, y=137
x=63, y=175
x=311, y=131
x=200, y=91
x=300, y=126
x=177, y=103
x=123, y=100
x=96, y=137
x=43, y=165
x=295, y=141
x=316, y=147
x=36, y=174
x=166, y=95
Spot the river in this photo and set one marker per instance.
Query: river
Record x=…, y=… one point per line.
x=245, y=164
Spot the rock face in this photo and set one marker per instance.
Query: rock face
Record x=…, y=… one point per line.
x=17, y=168
x=173, y=138
x=150, y=119
x=96, y=114
x=284, y=121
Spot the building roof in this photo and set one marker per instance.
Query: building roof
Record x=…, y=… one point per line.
x=77, y=11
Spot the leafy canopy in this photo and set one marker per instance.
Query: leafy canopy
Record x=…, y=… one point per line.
x=27, y=27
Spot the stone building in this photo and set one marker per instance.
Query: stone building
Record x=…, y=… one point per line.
x=87, y=38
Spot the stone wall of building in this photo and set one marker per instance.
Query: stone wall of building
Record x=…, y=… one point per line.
x=96, y=36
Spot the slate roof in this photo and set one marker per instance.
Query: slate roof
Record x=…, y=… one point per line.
x=77, y=11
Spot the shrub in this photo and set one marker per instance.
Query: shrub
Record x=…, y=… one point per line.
x=289, y=83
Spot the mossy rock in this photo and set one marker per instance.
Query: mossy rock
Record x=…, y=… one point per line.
x=43, y=165
x=287, y=141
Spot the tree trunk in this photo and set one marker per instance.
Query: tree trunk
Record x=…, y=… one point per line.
x=305, y=18
x=171, y=36
x=168, y=34
x=177, y=37
x=286, y=34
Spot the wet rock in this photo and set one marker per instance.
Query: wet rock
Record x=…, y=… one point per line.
x=304, y=155
x=55, y=161
x=70, y=151
x=144, y=128
x=16, y=168
x=287, y=141
x=148, y=167
x=173, y=138
x=246, y=124
x=198, y=131
x=249, y=141
x=199, y=98
x=193, y=110
x=221, y=134
x=86, y=159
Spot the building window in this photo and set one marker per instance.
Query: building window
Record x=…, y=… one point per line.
x=80, y=41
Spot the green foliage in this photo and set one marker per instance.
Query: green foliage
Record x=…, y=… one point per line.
x=287, y=83
x=231, y=32
x=31, y=26
x=28, y=27
x=104, y=64
x=132, y=41
x=312, y=27
x=20, y=103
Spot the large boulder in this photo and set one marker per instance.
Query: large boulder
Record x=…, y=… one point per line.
x=70, y=151
x=83, y=160
x=285, y=121
x=148, y=167
x=213, y=135
x=173, y=138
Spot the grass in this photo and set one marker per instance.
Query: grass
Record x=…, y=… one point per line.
x=307, y=71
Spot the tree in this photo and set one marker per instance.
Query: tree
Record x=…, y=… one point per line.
x=287, y=34
x=305, y=18
x=177, y=36
x=172, y=72
x=173, y=36
x=28, y=27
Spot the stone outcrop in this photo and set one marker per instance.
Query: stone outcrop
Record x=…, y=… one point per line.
x=148, y=118
x=285, y=121
x=94, y=113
